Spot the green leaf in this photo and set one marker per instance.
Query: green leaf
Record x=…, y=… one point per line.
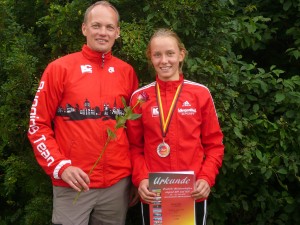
x=121, y=120
x=110, y=133
x=289, y=200
x=259, y=155
x=279, y=97
x=127, y=110
x=166, y=21
x=275, y=161
x=282, y=171
x=124, y=102
x=290, y=114
x=255, y=108
x=146, y=8
x=251, y=97
x=287, y=4
x=245, y=205
x=150, y=16
x=134, y=116
x=268, y=174
x=237, y=132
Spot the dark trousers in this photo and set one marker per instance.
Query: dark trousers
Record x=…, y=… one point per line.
x=201, y=213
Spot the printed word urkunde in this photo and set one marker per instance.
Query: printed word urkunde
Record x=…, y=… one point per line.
x=167, y=180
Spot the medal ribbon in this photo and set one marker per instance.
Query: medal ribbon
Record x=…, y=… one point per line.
x=165, y=123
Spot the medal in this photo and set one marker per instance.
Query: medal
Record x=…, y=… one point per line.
x=163, y=149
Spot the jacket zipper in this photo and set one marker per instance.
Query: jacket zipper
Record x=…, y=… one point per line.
x=103, y=57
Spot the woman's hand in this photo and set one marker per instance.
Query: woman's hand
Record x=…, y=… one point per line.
x=202, y=189
x=145, y=194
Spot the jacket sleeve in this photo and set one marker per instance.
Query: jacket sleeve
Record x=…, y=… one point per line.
x=135, y=133
x=212, y=142
x=40, y=132
x=134, y=81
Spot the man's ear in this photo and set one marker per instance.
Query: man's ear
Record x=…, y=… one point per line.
x=118, y=33
x=83, y=29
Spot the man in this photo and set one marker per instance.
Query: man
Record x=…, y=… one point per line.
x=78, y=98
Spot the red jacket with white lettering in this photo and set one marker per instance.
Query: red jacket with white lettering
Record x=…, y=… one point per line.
x=194, y=134
x=77, y=100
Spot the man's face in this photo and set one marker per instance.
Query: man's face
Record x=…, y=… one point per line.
x=101, y=28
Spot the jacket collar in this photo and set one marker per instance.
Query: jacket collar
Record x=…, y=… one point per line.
x=97, y=57
x=170, y=85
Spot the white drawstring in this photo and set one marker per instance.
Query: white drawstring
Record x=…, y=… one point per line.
x=204, y=212
x=142, y=208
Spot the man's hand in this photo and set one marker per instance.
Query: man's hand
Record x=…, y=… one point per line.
x=76, y=178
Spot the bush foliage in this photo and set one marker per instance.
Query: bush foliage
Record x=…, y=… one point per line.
x=246, y=52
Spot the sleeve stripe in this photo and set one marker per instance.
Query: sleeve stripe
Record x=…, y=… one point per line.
x=58, y=167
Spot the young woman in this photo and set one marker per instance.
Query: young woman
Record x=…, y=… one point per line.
x=178, y=116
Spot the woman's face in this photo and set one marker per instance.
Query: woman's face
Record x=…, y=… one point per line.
x=165, y=57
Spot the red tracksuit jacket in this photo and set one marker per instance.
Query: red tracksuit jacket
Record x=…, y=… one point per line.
x=77, y=100
x=194, y=134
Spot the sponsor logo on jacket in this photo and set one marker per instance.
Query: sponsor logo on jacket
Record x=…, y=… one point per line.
x=155, y=111
x=86, y=69
x=182, y=111
x=187, y=111
x=111, y=69
x=89, y=69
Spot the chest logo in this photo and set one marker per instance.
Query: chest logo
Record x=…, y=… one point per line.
x=86, y=69
x=155, y=111
x=185, y=104
x=187, y=109
x=111, y=69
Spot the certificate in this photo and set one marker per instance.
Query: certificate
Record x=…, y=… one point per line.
x=174, y=205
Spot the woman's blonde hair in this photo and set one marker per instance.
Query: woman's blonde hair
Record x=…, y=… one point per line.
x=164, y=32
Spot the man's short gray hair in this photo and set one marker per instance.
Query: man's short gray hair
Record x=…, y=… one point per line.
x=103, y=3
